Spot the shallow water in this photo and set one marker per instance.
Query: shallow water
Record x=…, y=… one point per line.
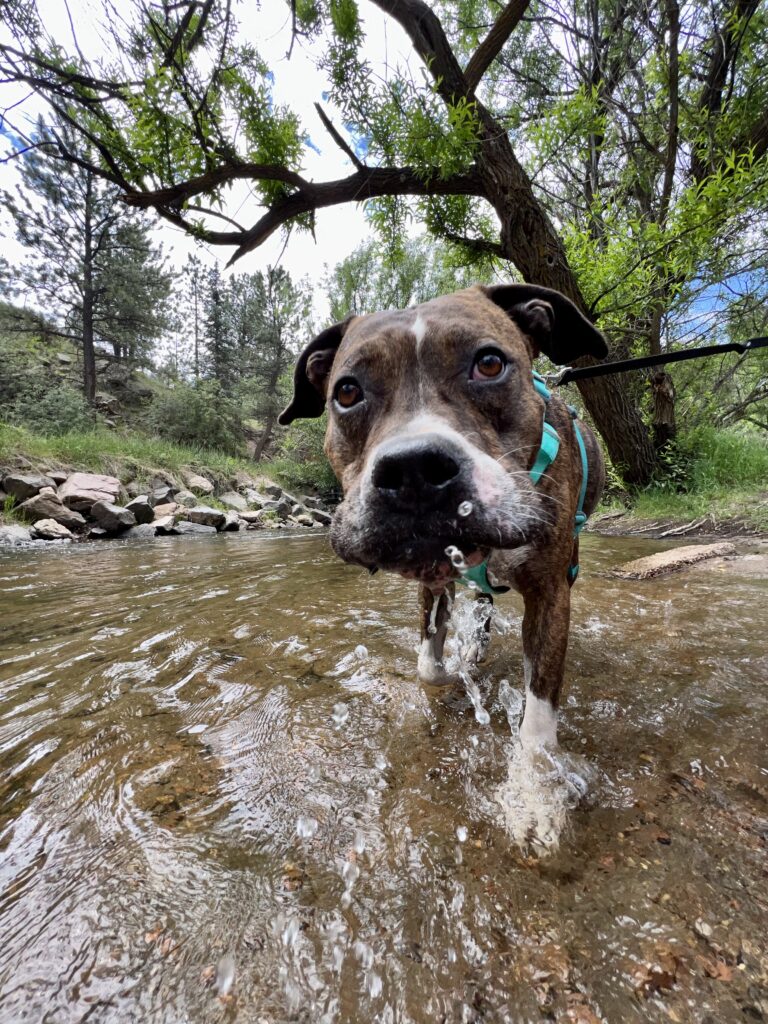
x=223, y=797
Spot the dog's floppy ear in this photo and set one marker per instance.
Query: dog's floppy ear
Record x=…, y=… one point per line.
x=310, y=378
x=552, y=322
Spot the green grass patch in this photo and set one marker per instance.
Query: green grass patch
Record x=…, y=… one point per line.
x=116, y=453
x=722, y=474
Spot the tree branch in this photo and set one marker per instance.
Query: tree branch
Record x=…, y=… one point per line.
x=369, y=183
x=492, y=45
x=328, y=125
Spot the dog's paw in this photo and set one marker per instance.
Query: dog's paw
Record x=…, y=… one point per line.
x=542, y=786
x=429, y=670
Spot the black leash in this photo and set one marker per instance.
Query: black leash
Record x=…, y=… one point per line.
x=571, y=373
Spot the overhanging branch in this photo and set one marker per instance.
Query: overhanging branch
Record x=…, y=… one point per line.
x=492, y=45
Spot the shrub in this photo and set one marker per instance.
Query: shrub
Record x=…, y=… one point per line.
x=199, y=415
x=300, y=461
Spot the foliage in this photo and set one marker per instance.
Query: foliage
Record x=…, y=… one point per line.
x=300, y=461
x=90, y=266
x=199, y=415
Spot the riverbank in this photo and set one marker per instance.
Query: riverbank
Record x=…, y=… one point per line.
x=95, y=487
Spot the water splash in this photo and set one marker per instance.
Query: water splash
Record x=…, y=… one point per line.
x=306, y=827
x=225, y=976
x=465, y=509
x=340, y=714
x=473, y=692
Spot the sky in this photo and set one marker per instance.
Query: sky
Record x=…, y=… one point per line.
x=297, y=84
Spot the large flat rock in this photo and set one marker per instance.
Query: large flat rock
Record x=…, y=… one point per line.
x=664, y=562
x=81, y=491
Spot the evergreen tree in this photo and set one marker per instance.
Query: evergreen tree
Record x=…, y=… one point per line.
x=90, y=266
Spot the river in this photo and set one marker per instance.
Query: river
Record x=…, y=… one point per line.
x=223, y=797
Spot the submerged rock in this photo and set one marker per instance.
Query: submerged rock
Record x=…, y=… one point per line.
x=142, y=531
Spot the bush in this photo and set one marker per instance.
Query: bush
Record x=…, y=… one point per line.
x=199, y=415
x=725, y=458
x=300, y=461
x=52, y=409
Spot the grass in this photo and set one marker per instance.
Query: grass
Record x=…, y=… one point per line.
x=116, y=453
x=722, y=474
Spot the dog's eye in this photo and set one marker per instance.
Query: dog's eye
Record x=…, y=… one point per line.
x=489, y=364
x=348, y=393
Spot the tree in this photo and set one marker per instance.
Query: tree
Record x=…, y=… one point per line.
x=90, y=267
x=171, y=129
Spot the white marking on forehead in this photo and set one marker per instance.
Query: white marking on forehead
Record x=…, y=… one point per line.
x=419, y=330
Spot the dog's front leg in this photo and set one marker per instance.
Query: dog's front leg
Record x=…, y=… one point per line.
x=545, y=639
x=435, y=614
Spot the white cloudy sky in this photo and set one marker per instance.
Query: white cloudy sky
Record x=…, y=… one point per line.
x=297, y=83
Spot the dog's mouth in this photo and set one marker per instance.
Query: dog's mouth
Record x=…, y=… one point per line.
x=433, y=561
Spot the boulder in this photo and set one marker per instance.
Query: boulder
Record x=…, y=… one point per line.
x=13, y=534
x=250, y=517
x=186, y=527
x=163, y=494
x=106, y=403
x=58, y=476
x=199, y=484
x=273, y=490
x=49, y=529
x=98, y=533
x=298, y=509
x=168, y=509
x=254, y=499
x=320, y=517
x=205, y=516
x=26, y=485
x=81, y=491
x=112, y=518
x=133, y=489
x=282, y=508
x=311, y=502
x=166, y=524
x=242, y=481
x=233, y=500
x=670, y=561
x=50, y=506
x=186, y=498
x=142, y=531
x=305, y=519
x=231, y=522
x=142, y=509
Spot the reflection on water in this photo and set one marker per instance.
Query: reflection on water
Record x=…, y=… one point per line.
x=223, y=796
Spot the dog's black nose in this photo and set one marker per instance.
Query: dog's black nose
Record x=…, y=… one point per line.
x=419, y=473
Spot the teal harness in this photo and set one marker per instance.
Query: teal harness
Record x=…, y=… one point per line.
x=477, y=577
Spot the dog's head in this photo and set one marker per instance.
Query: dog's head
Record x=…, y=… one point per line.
x=434, y=423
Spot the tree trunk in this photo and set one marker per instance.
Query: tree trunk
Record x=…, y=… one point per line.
x=664, y=424
x=89, y=356
x=266, y=435
x=529, y=240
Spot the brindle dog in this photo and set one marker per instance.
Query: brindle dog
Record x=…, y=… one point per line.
x=432, y=411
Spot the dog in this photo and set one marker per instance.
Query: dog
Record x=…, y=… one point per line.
x=458, y=465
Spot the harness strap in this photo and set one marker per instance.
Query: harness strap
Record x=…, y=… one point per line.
x=477, y=577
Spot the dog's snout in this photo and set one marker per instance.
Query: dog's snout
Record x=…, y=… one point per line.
x=420, y=473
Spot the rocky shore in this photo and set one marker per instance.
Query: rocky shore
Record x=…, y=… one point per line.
x=61, y=506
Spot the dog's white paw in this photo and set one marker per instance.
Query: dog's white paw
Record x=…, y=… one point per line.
x=542, y=785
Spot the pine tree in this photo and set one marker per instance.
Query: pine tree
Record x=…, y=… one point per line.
x=91, y=268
